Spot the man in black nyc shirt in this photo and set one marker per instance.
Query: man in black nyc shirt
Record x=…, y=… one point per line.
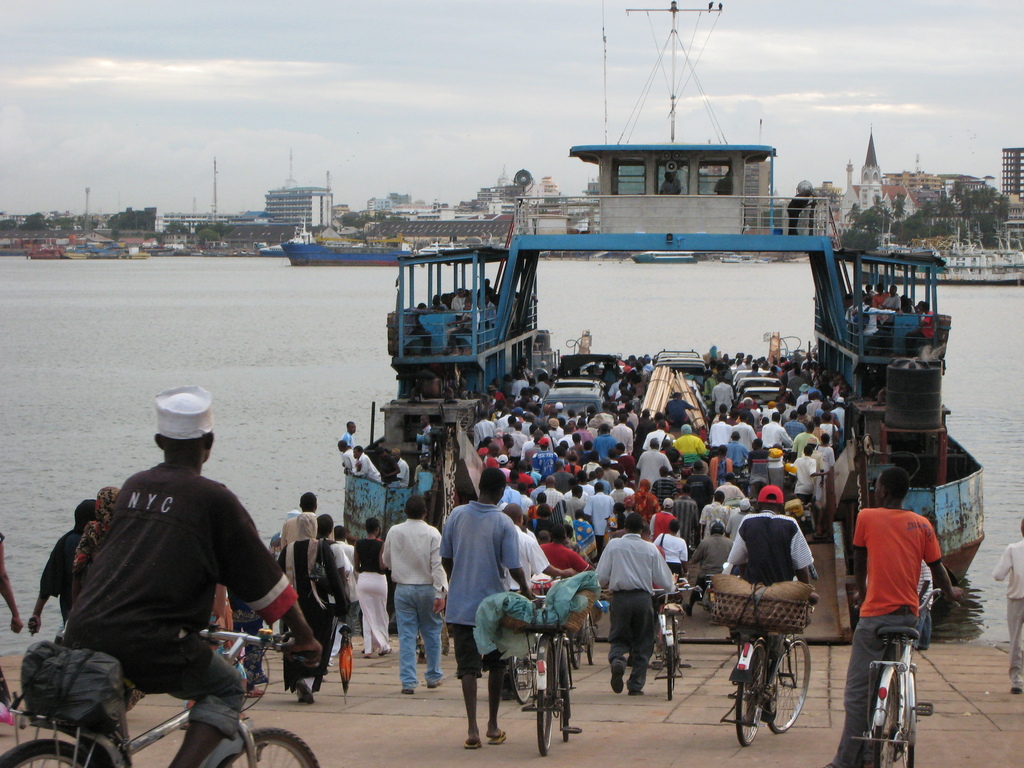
x=175, y=535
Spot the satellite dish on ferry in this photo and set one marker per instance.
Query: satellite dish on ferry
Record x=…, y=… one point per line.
x=523, y=178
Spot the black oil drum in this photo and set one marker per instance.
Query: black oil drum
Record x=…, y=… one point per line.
x=913, y=394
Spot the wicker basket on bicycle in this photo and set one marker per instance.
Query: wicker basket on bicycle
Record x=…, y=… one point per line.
x=782, y=607
x=573, y=622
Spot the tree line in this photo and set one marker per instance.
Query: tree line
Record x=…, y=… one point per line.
x=975, y=213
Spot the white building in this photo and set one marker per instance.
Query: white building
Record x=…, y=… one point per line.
x=297, y=205
x=872, y=187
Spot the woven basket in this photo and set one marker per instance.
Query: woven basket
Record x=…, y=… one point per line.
x=573, y=622
x=782, y=607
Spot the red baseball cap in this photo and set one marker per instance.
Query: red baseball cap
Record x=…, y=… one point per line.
x=771, y=494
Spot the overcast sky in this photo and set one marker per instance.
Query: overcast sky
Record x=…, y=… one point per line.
x=434, y=98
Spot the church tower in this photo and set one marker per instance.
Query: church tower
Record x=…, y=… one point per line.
x=870, y=177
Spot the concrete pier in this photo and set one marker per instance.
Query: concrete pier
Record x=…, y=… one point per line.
x=976, y=722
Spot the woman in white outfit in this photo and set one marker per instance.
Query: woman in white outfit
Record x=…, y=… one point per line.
x=372, y=589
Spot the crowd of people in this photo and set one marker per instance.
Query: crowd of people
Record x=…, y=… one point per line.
x=643, y=498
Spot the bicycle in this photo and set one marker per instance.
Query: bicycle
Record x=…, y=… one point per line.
x=582, y=642
x=261, y=747
x=772, y=674
x=522, y=673
x=666, y=650
x=552, y=683
x=892, y=719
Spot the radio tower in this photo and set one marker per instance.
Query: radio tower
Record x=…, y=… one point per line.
x=215, y=189
x=85, y=226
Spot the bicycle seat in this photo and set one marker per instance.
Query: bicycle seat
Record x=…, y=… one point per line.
x=673, y=608
x=897, y=630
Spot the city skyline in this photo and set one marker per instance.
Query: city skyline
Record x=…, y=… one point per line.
x=434, y=100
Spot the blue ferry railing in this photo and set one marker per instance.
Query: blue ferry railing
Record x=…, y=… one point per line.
x=433, y=333
x=711, y=214
x=896, y=335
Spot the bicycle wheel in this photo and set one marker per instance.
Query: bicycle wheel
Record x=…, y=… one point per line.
x=48, y=753
x=588, y=640
x=888, y=751
x=750, y=696
x=520, y=673
x=575, y=642
x=546, y=696
x=791, y=681
x=564, y=684
x=278, y=748
x=671, y=655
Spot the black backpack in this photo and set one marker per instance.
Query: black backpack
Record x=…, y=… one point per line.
x=79, y=686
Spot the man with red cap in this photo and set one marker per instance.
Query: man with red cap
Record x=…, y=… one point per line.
x=544, y=459
x=769, y=546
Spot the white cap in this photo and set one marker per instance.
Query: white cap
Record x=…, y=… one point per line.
x=558, y=406
x=184, y=413
x=503, y=459
x=744, y=504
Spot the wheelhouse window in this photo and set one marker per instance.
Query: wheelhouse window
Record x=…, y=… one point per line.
x=630, y=178
x=714, y=177
x=673, y=178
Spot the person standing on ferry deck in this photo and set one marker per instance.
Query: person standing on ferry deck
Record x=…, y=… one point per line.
x=1011, y=569
x=412, y=551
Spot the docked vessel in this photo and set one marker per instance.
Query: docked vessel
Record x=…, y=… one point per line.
x=970, y=264
x=445, y=357
x=304, y=250
x=664, y=257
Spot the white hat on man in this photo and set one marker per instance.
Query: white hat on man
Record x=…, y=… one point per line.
x=184, y=413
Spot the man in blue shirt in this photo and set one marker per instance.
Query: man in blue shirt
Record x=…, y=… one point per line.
x=544, y=459
x=477, y=544
x=604, y=441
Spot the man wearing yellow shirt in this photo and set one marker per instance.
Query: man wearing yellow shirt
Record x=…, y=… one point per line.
x=689, y=443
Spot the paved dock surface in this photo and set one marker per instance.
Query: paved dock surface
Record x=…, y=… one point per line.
x=977, y=721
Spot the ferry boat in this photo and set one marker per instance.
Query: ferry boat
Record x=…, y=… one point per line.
x=664, y=257
x=439, y=353
x=304, y=250
x=970, y=264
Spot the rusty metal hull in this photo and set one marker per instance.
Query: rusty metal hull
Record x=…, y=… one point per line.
x=956, y=510
x=365, y=498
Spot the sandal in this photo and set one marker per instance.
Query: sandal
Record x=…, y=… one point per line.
x=470, y=744
x=499, y=739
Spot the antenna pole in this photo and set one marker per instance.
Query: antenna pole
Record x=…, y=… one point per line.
x=674, y=9
x=604, y=43
x=85, y=226
x=215, y=189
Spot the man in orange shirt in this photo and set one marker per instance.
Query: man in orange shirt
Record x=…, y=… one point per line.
x=889, y=544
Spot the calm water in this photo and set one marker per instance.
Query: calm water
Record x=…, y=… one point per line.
x=292, y=354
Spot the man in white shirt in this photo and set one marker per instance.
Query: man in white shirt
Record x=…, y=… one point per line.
x=629, y=567
x=532, y=559
x=747, y=434
x=722, y=394
x=482, y=430
x=650, y=464
x=720, y=433
x=1011, y=568
x=348, y=463
x=598, y=509
x=402, y=481
x=774, y=435
x=412, y=550
x=623, y=433
x=363, y=467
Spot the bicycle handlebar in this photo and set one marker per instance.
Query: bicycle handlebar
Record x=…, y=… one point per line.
x=266, y=639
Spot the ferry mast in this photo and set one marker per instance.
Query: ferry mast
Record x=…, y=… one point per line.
x=674, y=9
